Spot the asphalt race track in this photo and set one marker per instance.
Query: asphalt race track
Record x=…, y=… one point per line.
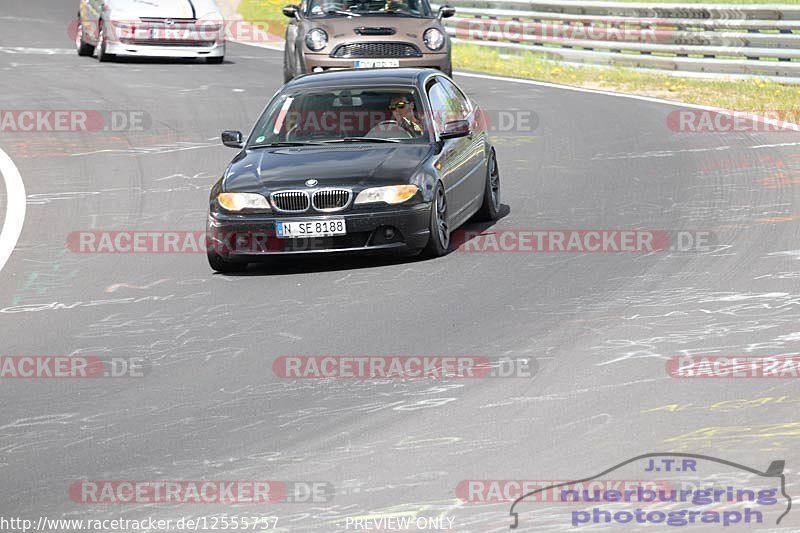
x=600, y=325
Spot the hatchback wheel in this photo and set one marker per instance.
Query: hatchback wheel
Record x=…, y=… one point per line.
x=83, y=48
x=102, y=55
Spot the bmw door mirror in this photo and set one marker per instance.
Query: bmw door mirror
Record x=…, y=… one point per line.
x=446, y=12
x=455, y=129
x=290, y=11
x=232, y=139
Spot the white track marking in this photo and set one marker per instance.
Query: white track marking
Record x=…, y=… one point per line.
x=15, y=208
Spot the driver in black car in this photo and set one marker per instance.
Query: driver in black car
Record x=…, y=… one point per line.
x=402, y=109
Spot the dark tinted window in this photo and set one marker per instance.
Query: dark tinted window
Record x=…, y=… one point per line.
x=333, y=8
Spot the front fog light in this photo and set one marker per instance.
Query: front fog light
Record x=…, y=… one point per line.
x=238, y=201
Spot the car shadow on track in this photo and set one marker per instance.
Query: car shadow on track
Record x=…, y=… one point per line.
x=165, y=61
x=310, y=264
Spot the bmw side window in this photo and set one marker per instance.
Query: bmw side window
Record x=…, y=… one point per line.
x=458, y=106
x=439, y=99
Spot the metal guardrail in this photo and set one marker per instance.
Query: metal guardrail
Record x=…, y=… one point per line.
x=702, y=39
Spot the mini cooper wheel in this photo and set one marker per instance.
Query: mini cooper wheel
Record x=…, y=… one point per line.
x=439, y=241
x=490, y=208
x=287, y=72
x=84, y=49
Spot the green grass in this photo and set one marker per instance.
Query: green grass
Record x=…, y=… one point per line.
x=746, y=95
x=267, y=10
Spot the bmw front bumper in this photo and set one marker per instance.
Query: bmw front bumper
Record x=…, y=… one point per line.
x=248, y=238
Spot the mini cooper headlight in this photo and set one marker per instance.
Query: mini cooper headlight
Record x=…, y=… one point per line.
x=433, y=38
x=395, y=194
x=316, y=39
x=237, y=201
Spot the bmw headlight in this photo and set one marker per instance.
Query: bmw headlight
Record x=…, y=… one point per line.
x=395, y=194
x=316, y=39
x=433, y=39
x=238, y=201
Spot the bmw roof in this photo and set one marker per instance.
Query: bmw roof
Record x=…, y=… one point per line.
x=361, y=77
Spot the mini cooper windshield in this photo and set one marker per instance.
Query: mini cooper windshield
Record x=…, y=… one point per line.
x=338, y=116
x=332, y=8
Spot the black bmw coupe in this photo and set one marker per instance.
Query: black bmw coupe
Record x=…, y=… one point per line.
x=354, y=161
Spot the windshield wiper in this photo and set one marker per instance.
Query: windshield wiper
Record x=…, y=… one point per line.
x=394, y=12
x=284, y=143
x=362, y=140
x=339, y=12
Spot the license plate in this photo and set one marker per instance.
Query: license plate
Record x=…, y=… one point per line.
x=310, y=228
x=377, y=63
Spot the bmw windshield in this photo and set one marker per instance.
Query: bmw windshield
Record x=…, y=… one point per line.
x=342, y=115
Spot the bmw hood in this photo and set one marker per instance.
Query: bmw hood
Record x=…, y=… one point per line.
x=337, y=165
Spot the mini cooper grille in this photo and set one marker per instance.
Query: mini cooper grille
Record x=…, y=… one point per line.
x=330, y=199
x=376, y=50
x=291, y=201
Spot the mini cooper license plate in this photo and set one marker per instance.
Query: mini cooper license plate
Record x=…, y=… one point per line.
x=377, y=63
x=310, y=228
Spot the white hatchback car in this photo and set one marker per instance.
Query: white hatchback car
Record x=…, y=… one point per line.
x=152, y=28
